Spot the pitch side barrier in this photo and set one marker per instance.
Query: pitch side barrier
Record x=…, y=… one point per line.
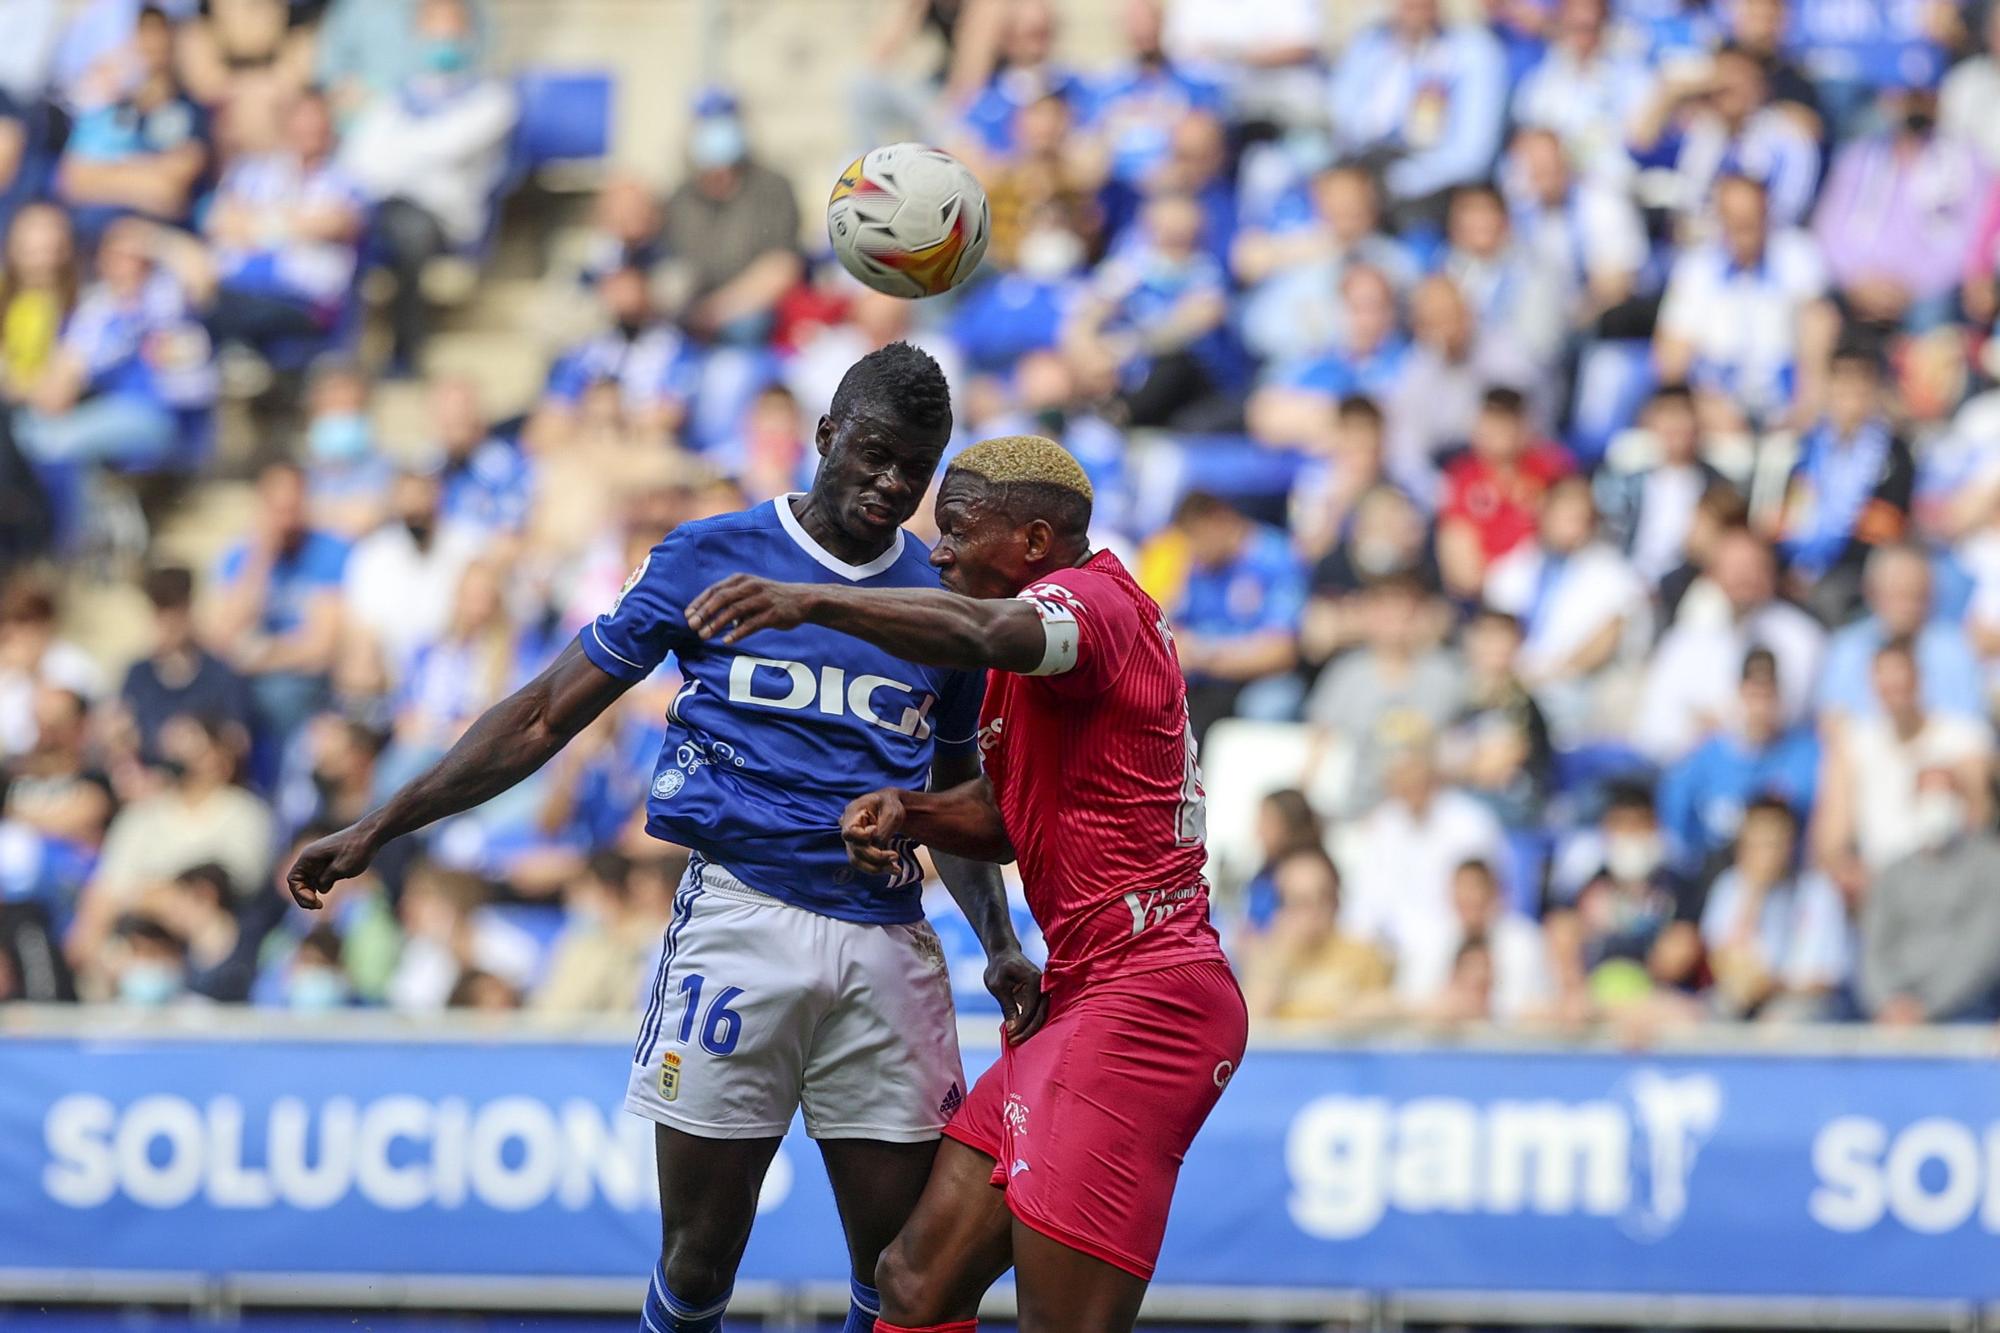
x=1804, y=1177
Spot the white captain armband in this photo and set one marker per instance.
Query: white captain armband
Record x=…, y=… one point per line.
x=1054, y=604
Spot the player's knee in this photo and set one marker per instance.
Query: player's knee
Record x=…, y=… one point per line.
x=912, y=1297
x=695, y=1274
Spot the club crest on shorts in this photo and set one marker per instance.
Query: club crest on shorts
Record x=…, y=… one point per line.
x=670, y=1076
x=668, y=785
x=1015, y=1112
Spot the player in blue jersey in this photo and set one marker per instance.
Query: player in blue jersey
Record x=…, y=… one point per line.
x=787, y=977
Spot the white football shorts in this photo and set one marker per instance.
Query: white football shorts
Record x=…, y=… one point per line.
x=758, y=1007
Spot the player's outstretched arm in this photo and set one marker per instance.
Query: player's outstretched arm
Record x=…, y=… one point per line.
x=508, y=742
x=977, y=889
x=927, y=625
x=962, y=821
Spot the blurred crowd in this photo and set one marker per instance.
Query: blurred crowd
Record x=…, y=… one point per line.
x=1562, y=434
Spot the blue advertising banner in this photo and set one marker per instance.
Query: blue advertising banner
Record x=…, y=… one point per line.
x=1373, y=1168
x=1886, y=43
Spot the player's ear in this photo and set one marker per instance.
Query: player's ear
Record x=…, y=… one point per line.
x=1037, y=539
x=823, y=435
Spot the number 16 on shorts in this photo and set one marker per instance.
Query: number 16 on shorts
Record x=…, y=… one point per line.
x=717, y=1029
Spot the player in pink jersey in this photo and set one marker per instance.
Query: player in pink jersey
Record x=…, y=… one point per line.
x=1062, y=1162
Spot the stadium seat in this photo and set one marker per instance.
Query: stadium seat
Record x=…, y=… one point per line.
x=563, y=117
x=1242, y=763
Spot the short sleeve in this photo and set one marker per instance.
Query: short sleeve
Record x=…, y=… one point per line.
x=649, y=618
x=956, y=726
x=1092, y=624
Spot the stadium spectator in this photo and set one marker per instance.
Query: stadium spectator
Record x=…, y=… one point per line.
x=1235, y=620
x=1451, y=365
x=147, y=966
x=624, y=231
x=1137, y=110
x=1349, y=465
x=1406, y=850
x=430, y=157
x=363, y=52
x=275, y=612
x=1850, y=492
x=1777, y=936
x=1761, y=27
x=1049, y=184
x=1584, y=237
x=731, y=230
x=51, y=788
x=28, y=35
x=1424, y=98
x=1497, y=744
x=1648, y=510
x=1267, y=57
x=315, y=979
x=1745, y=319
x=197, y=815
x=1899, y=591
x=146, y=149
x=1152, y=327
x=1514, y=292
x=641, y=356
x=329, y=777
x=1754, y=757
x=1631, y=927
x=1395, y=683
x=600, y=961
x=1286, y=823
x=132, y=361
x=1867, y=816
x=1293, y=264
x=1710, y=118
x=1694, y=672
x=1493, y=491
x=399, y=582
x=1895, y=219
x=1519, y=983
x=178, y=676
x=1930, y=927
x=347, y=477
x=38, y=291
x=1583, y=89
x=1295, y=407
x=488, y=485
x=449, y=937
x=453, y=674
x=245, y=61
x=285, y=226
x=199, y=906
x=1583, y=610
x=33, y=657
x=1387, y=535
x=1307, y=968
x=1968, y=94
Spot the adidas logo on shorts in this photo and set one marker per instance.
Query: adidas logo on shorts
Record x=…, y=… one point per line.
x=952, y=1101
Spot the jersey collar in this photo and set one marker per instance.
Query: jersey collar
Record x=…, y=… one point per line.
x=789, y=521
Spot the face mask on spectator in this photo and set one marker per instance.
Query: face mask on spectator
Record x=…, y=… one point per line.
x=1376, y=557
x=1631, y=857
x=316, y=990
x=1049, y=253
x=1937, y=818
x=341, y=437
x=148, y=984
x=446, y=55
x=718, y=142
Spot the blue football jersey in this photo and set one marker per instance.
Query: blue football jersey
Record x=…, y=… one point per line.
x=771, y=737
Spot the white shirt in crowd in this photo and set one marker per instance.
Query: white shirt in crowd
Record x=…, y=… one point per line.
x=1698, y=666
x=1521, y=978
x=402, y=593
x=1593, y=587
x=1965, y=106
x=1743, y=323
x=65, y=667
x=1801, y=930
x=1884, y=769
x=1397, y=881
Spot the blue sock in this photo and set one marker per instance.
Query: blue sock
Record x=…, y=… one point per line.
x=865, y=1309
x=668, y=1313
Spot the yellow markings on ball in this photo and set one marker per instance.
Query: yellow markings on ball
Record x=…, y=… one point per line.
x=850, y=180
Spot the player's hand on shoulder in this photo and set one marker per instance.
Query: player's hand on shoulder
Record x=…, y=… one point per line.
x=325, y=863
x=740, y=605
x=1017, y=984
x=870, y=826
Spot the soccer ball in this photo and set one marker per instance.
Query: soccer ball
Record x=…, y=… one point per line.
x=908, y=220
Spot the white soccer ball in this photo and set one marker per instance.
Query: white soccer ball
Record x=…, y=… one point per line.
x=908, y=220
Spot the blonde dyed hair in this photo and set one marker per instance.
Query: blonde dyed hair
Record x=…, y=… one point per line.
x=1025, y=460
